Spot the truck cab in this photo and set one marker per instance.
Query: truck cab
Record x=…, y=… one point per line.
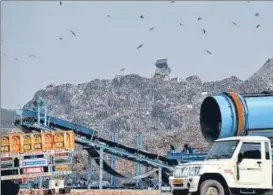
x=234, y=165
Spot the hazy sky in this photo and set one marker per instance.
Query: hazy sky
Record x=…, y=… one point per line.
x=105, y=45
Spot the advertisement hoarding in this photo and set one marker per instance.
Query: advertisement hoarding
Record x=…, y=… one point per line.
x=33, y=170
x=31, y=142
x=33, y=162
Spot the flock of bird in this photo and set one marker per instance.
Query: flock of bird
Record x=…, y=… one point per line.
x=181, y=24
x=150, y=29
x=198, y=19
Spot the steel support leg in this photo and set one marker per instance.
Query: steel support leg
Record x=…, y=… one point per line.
x=159, y=178
x=137, y=164
x=40, y=182
x=139, y=142
x=39, y=117
x=90, y=165
x=101, y=168
x=113, y=162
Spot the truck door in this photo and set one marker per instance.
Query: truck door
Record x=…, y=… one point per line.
x=251, y=168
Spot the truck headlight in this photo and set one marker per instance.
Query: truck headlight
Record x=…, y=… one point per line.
x=194, y=170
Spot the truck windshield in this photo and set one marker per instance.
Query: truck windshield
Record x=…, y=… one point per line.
x=222, y=149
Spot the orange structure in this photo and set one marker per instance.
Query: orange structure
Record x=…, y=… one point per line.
x=26, y=143
x=15, y=144
x=5, y=145
x=48, y=141
x=37, y=142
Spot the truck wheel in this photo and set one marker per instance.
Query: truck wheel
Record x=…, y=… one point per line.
x=211, y=187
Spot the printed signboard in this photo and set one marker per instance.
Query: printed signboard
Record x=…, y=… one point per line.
x=58, y=173
x=61, y=168
x=34, y=175
x=27, y=143
x=69, y=140
x=63, y=154
x=37, y=142
x=33, y=162
x=6, y=159
x=64, y=140
x=5, y=144
x=59, y=140
x=48, y=141
x=34, y=142
x=33, y=170
x=15, y=143
x=62, y=158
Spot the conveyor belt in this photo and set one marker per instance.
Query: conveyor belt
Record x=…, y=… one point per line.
x=94, y=154
x=137, y=151
x=56, y=122
x=143, y=157
x=90, y=140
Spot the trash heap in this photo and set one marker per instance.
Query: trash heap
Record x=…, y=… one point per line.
x=166, y=112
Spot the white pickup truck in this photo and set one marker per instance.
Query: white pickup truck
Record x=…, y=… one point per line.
x=234, y=165
x=240, y=161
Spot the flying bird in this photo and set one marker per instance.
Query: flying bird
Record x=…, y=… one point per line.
x=32, y=56
x=73, y=33
x=61, y=3
x=258, y=26
x=257, y=14
x=180, y=24
x=122, y=69
x=199, y=18
x=142, y=17
x=208, y=52
x=204, y=31
x=139, y=46
x=109, y=16
x=60, y=38
x=16, y=59
x=151, y=28
x=234, y=23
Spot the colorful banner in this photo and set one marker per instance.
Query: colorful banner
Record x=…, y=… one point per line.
x=35, y=142
x=27, y=143
x=48, y=141
x=5, y=145
x=15, y=143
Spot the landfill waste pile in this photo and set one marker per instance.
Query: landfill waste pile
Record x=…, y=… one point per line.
x=7, y=118
x=165, y=112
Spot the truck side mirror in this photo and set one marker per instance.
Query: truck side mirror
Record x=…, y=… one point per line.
x=240, y=158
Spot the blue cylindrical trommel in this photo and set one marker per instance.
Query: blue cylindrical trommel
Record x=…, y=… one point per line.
x=231, y=114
